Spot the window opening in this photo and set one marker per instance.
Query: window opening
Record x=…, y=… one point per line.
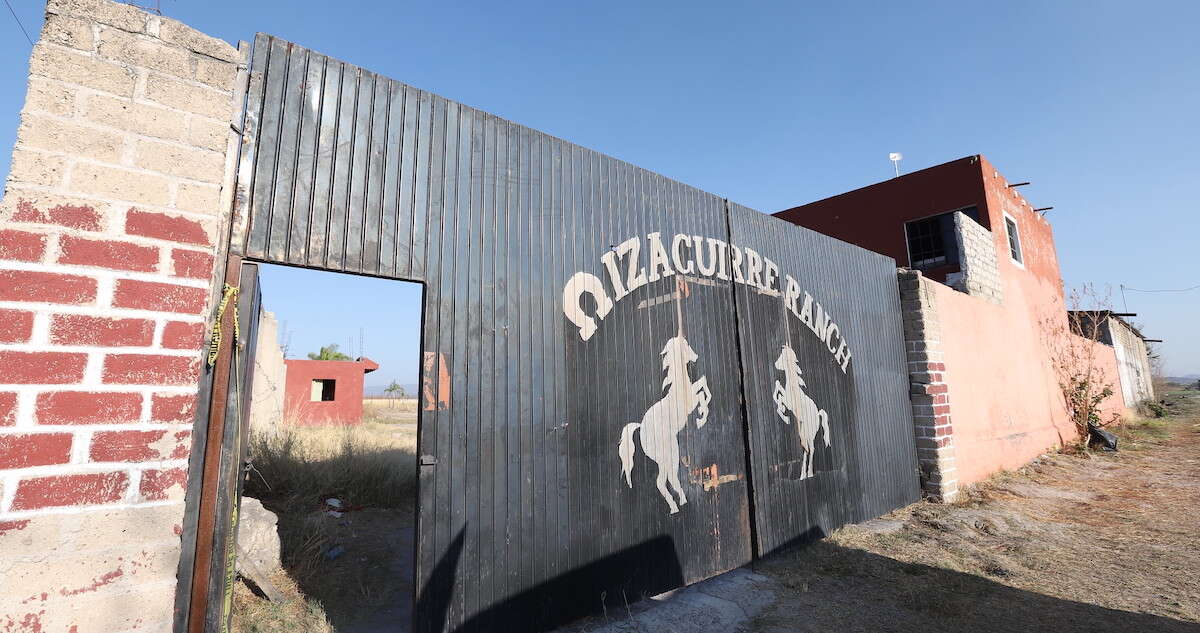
x=931, y=241
x=1014, y=239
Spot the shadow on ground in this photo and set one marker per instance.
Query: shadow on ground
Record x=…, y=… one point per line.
x=826, y=588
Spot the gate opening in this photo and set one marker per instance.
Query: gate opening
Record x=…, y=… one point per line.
x=328, y=510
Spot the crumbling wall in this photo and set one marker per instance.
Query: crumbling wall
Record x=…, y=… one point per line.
x=108, y=228
x=266, y=400
x=980, y=275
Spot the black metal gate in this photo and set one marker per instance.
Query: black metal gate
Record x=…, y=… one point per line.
x=598, y=407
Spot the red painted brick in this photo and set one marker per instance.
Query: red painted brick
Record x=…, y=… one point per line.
x=70, y=216
x=108, y=254
x=180, y=335
x=940, y=409
x=28, y=285
x=149, y=295
x=172, y=408
x=165, y=227
x=78, y=329
x=156, y=484
x=70, y=490
x=8, y=408
x=34, y=449
x=41, y=368
x=150, y=369
x=944, y=431
x=139, y=446
x=85, y=407
x=16, y=326
x=22, y=246
x=193, y=264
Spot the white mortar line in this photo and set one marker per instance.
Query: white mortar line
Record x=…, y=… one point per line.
x=89, y=349
x=91, y=310
x=103, y=273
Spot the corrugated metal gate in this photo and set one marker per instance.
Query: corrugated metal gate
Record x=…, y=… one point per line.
x=601, y=346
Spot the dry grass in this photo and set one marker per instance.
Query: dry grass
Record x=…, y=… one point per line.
x=371, y=468
x=296, y=468
x=295, y=614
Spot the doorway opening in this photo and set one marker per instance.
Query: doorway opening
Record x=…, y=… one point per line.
x=327, y=516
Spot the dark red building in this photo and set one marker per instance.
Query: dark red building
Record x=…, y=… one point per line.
x=910, y=218
x=325, y=391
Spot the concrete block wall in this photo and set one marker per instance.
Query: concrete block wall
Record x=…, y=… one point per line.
x=980, y=274
x=108, y=228
x=929, y=390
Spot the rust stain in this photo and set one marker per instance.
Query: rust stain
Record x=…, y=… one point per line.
x=682, y=284
x=435, y=392
x=710, y=477
x=96, y=584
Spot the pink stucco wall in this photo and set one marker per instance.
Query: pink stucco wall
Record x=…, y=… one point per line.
x=1004, y=395
x=1005, y=401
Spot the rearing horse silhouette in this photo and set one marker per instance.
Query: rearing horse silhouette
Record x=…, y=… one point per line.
x=664, y=420
x=790, y=397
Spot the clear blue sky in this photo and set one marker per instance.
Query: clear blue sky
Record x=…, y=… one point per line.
x=774, y=105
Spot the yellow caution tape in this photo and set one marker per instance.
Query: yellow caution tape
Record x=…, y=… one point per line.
x=230, y=293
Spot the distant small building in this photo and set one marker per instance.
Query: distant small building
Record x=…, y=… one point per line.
x=325, y=391
x=1133, y=357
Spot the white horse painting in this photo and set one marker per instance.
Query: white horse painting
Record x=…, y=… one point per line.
x=661, y=424
x=789, y=397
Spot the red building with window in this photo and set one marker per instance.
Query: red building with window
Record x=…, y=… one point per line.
x=325, y=391
x=983, y=314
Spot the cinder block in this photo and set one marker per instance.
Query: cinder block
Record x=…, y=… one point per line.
x=150, y=369
x=22, y=246
x=197, y=42
x=50, y=97
x=180, y=161
x=68, y=31
x=144, y=52
x=122, y=184
x=174, y=93
x=84, y=407
x=77, y=68
x=70, y=138
x=42, y=287
x=36, y=168
x=215, y=73
x=123, y=114
x=120, y=15
x=210, y=134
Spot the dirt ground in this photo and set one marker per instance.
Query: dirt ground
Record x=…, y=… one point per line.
x=1096, y=543
x=1100, y=542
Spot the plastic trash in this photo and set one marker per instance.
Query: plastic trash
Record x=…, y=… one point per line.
x=334, y=552
x=1098, y=437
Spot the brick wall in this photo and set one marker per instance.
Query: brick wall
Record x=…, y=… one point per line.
x=980, y=274
x=107, y=232
x=929, y=390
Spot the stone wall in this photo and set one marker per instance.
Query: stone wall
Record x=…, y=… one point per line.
x=928, y=388
x=979, y=274
x=110, y=218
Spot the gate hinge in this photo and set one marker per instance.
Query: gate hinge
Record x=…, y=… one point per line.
x=428, y=460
